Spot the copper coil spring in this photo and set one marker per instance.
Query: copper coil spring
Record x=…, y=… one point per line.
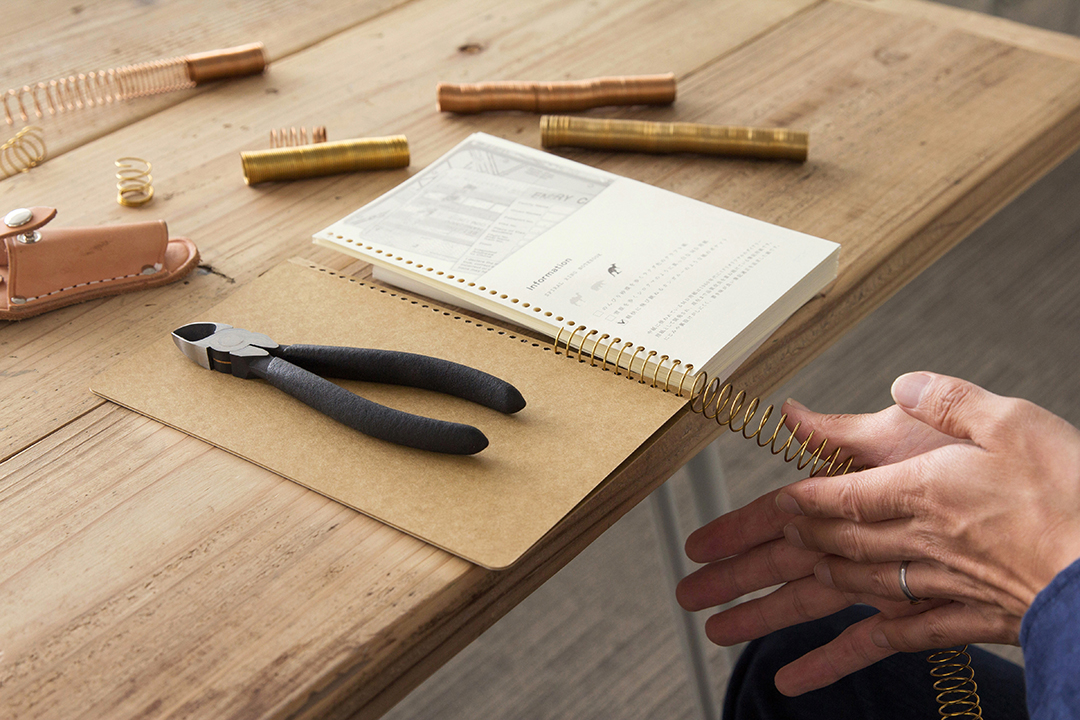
x=293, y=137
x=957, y=690
x=23, y=151
x=87, y=90
x=133, y=182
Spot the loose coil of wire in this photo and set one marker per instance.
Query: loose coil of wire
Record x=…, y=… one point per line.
x=133, y=182
x=955, y=678
x=23, y=151
x=294, y=137
x=87, y=90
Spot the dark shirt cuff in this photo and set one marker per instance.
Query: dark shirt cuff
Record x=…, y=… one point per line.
x=1050, y=638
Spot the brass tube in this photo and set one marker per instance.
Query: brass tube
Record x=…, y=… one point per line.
x=556, y=96
x=655, y=137
x=329, y=158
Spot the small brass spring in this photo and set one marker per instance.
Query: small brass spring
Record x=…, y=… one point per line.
x=328, y=158
x=87, y=90
x=23, y=151
x=133, y=182
x=955, y=678
x=293, y=136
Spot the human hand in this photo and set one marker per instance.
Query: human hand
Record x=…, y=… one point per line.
x=746, y=551
x=990, y=520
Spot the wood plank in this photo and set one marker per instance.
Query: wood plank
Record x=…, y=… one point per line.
x=220, y=590
x=241, y=231
x=83, y=37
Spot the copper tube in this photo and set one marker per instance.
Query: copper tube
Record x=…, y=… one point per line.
x=556, y=96
x=231, y=62
x=655, y=137
x=327, y=158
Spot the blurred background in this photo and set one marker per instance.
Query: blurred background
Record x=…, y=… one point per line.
x=600, y=639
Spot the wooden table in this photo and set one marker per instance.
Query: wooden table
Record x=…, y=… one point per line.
x=146, y=574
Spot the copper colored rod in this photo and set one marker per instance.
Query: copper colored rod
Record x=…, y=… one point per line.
x=556, y=96
x=656, y=137
x=231, y=62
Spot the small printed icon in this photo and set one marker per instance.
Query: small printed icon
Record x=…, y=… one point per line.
x=577, y=299
x=595, y=287
x=614, y=269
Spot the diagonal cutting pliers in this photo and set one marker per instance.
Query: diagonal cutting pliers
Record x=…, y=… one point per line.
x=297, y=370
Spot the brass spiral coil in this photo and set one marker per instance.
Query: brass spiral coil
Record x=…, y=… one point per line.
x=670, y=137
x=293, y=136
x=133, y=182
x=559, y=96
x=87, y=90
x=328, y=158
x=23, y=151
x=955, y=678
x=955, y=684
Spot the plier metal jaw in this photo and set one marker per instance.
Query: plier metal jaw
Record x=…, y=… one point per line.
x=298, y=370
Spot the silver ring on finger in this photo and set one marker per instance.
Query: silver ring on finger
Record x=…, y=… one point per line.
x=915, y=600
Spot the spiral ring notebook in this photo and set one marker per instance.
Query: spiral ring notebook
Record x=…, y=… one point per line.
x=489, y=508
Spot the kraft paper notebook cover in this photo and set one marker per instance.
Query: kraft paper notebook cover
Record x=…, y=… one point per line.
x=579, y=425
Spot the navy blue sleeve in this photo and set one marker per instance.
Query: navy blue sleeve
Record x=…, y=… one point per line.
x=1050, y=637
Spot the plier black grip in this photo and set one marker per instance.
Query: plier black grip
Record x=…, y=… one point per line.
x=296, y=370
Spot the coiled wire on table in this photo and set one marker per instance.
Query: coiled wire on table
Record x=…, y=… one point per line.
x=954, y=678
x=86, y=90
x=293, y=136
x=23, y=151
x=133, y=182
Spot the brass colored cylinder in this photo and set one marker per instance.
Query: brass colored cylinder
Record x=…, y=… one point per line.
x=556, y=96
x=329, y=158
x=231, y=62
x=655, y=137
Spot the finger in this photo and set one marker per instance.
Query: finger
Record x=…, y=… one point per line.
x=736, y=532
x=946, y=626
x=924, y=580
x=873, y=440
x=853, y=650
x=868, y=496
x=862, y=542
x=953, y=406
x=761, y=567
x=793, y=603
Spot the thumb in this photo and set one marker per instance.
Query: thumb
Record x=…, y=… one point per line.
x=950, y=405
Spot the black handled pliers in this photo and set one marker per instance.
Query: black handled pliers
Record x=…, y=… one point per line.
x=296, y=370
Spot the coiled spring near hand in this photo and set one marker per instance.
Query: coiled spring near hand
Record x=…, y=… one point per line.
x=954, y=677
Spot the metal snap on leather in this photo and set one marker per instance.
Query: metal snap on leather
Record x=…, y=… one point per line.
x=29, y=238
x=18, y=217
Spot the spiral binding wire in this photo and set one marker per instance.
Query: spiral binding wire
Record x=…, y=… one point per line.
x=23, y=151
x=87, y=90
x=293, y=136
x=133, y=182
x=954, y=676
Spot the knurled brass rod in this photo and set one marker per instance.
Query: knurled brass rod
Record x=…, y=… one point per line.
x=556, y=96
x=657, y=137
x=328, y=158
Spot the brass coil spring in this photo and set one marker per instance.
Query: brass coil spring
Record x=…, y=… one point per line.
x=23, y=151
x=955, y=678
x=133, y=182
x=955, y=684
x=293, y=136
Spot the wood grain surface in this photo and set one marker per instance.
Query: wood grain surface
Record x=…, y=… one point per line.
x=146, y=574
